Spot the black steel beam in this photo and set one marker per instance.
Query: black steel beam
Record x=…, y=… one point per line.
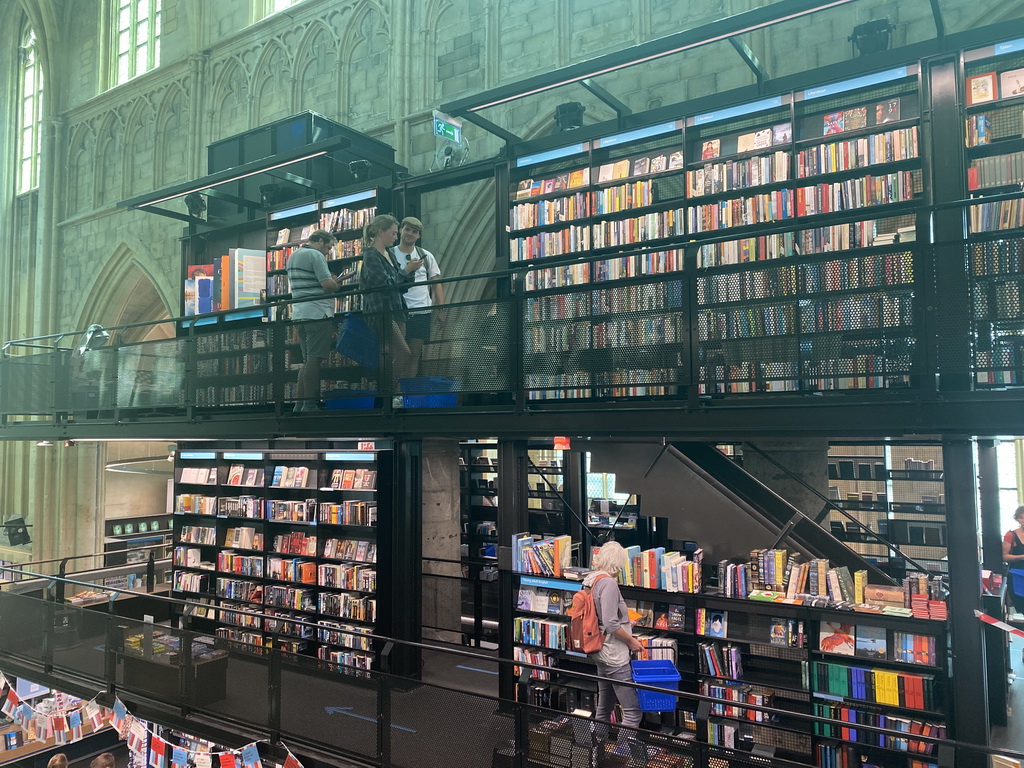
x=605, y=95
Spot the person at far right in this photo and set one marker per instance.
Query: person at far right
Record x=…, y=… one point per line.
x=1013, y=556
x=613, y=658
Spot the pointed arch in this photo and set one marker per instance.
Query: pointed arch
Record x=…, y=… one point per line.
x=368, y=45
x=271, y=83
x=123, y=292
x=81, y=156
x=231, y=100
x=316, y=69
x=109, y=185
x=139, y=157
x=171, y=123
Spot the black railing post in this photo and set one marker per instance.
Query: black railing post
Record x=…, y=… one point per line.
x=151, y=571
x=274, y=697
x=384, y=706
x=518, y=377
x=522, y=718
x=62, y=571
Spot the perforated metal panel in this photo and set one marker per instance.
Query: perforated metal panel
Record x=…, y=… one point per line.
x=152, y=374
x=996, y=275
x=27, y=384
x=236, y=367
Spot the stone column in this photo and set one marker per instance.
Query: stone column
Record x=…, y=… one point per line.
x=442, y=528
x=806, y=458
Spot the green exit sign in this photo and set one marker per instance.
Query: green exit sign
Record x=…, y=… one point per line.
x=447, y=130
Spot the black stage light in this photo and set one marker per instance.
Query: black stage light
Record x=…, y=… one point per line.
x=569, y=116
x=872, y=36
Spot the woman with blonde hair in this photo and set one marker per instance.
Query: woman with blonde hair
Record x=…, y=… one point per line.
x=612, y=616
x=59, y=760
x=380, y=274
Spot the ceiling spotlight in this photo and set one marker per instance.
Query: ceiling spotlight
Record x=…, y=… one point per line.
x=44, y=444
x=360, y=170
x=569, y=116
x=195, y=204
x=872, y=36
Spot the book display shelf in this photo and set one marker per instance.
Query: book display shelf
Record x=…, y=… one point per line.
x=289, y=534
x=235, y=367
x=825, y=299
x=344, y=216
x=876, y=661
x=478, y=476
x=895, y=490
x=994, y=136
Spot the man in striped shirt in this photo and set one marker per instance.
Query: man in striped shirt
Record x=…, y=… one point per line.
x=311, y=280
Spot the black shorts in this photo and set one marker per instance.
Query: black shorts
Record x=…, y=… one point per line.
x=418, y=326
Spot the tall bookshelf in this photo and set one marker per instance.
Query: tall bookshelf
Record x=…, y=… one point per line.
x=478, y=480
x=895, y=490
x=994, y=139
x=826, y=299
x=289, y=534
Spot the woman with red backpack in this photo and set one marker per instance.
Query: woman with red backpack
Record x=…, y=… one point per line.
x=613, y=658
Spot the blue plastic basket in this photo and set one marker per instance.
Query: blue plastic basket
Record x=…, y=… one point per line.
x=661, y=674
x=412, y=389
x=349, y=399
x=1017, y=582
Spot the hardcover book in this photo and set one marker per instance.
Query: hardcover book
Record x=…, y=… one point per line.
x=871, y=642
x=561, y=182
x=523, y=189
x=658, y=164
x=855, y=118
x=676, y=161
x=621, y=169
x=887, y=112
x=710, y=149
x=604, y=173
x=981, y=88
x=833, y=123
x=1011, y=83
x=745, y=142
x=718, y=624
x=836, y=637
x=549, y=186
x=763, y=138
x=782, y=133
x=641, y=166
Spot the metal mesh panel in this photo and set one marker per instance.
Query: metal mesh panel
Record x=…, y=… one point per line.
x=996, y=275
x=621, y=341
x=92, y=380
x=469, y=346
x=26, y=384
x=80, y=640
x=434, y=726
x=152, y=374
x=339, y=710
x=23, y=636
x=235, y=367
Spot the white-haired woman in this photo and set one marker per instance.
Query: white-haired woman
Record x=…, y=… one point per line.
x=613, y=658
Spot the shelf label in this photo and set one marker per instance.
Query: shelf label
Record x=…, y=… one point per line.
x=856, y=82
x=551, y=154
x=367, y=445
x=287, y=213
x=1011, y=46
x=538, y=581
x=347, y=457
x=740, y=109
x=639, y=133
x=244, y=456
x=355, y=197
x=197, y=455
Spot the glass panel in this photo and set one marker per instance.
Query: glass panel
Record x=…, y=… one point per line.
x=123, y=68
x=124, y=20
x=142, y=32
x=28, y=85
x=140, y=59
x=27, y=143
x=142, y=10
x=25, y=183
x=123, y=42
x=959, y=16
x=28, y=112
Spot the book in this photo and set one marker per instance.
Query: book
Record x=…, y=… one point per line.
x=836, y=637
x=782, y=133
x=763, y=138
x=887, y=111
x=833, y=123
x=604, y=173
x=779, y=632
x=283, y=236
x=561, y=182
x=579, y=178
x=870, y=642
x=250, y=476
x=717, y=624
x=981, y=88
x=235, y=474
x=348, y=479
x=1011, y=83
x=620, y=170
x=659, y=164
x=549, y=186
x=855, y=118
x=745, y=142
x=641, y=166
x=676, y=161
x=710, y=149
x=523, y=188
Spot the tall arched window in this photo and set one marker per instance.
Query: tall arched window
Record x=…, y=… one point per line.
x=30, y=115
x=137, y=31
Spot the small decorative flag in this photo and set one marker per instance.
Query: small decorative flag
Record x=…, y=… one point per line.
x=9, y=703
x=202, y=760
x=75, y=724
x=44, y=729
x=179, y=758
x=118, y=715
x=95, y=714
x=226, y=759
x=157, y=752
x=137, y=737
x=291, y=761
x=251, y=756
x=21, y=714
x=60, y=729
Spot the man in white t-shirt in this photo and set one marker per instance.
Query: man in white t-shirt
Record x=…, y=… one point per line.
x=419, y=297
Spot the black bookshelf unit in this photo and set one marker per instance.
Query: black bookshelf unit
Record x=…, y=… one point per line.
x=293, y=535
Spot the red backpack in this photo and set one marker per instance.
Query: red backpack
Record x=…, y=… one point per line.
x=585, y=635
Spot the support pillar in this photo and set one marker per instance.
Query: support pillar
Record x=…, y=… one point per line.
x=442, y=527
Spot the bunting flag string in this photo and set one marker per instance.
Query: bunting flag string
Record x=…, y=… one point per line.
x=67, y=725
